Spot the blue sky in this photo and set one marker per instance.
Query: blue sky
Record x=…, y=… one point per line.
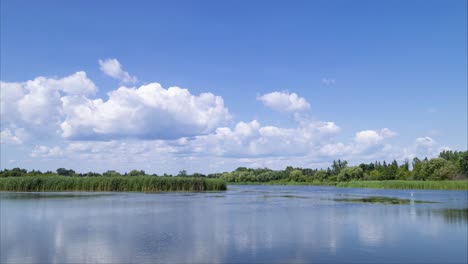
x=300, y=83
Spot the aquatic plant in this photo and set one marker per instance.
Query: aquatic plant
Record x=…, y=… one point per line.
x=110, y=184
x=432, y=185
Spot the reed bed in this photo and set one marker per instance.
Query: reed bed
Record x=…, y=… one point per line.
x=428, y=185
x=395, y=184
x=110, y=184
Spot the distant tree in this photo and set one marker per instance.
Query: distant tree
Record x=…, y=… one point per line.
x=405, y=165
x=464, y=164
x=182, y=173
x=390, y=171
x=445, y=172
x=289, y=169
x=308, y=172
x=111, y=173
x=403, y=173
x=15, y=172
x=65, y=172
x=350, y=173
x=241, y=169
x=91, y=174
x=338, y=166
x=375, y=175
x=37, y=172
x=137, y=173
x=429, y=168
x=320, y=175
x=417, y=166
x=296, y=175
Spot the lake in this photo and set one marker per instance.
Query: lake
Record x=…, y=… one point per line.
x=270, y=224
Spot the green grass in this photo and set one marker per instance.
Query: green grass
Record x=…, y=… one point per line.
x=428, y=185
x=110, y=184
x=282, y=182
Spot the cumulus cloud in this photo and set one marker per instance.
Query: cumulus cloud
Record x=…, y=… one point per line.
x=245, y=144
x=245, y=140
x=149, y=112
x=284, y=102
x=138, y=124
x=373, y=137
x=254, y=140
x=36, y=103
x=64, y=106
x=113, y=68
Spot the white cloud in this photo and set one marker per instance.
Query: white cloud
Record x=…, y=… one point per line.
x=373, y=137
x=284, y=102
x=335, y=149
x=387, y=133
x=253, y=140
x=63, y=106
x=149, y=112
x=139, y=126
x=246, y=144
x=13, y=137
x=47, y=152
x=113, y=68
x=36, y=103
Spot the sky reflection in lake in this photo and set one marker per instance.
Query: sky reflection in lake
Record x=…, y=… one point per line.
x=245, y=224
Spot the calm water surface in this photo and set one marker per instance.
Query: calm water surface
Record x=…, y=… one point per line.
x=273, y=224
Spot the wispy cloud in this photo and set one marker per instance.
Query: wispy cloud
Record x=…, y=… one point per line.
x=328, y=81
x=113, y=68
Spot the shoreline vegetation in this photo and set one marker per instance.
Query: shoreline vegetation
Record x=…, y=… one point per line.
x=448, y=171
x=110, y=184
x=390, y=184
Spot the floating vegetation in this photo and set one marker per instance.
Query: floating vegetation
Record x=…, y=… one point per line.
x=379, y=199
x=110, y=184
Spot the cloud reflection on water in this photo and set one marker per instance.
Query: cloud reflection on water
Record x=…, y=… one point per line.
x=239, y=227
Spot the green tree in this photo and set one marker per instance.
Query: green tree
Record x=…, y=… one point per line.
x=464, y=163
x=351, y=173
x=65, y=172
x=339, y=165
x=137, y=173
x=375, y=175
x=429, y=168
x=182, y=173
x=296, y=175
x=417, y=166
x=445, y=172
x=111, y=173
x=320, y=175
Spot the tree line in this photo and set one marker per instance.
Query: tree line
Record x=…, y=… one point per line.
x=449, y=165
